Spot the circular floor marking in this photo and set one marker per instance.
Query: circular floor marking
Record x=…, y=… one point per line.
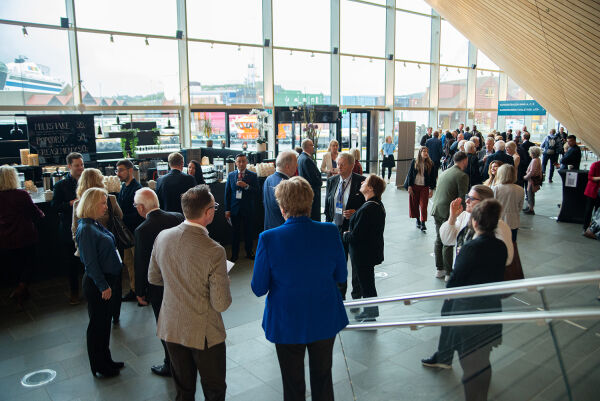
x=38, y=378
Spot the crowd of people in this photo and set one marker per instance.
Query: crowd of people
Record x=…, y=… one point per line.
x=478, y=187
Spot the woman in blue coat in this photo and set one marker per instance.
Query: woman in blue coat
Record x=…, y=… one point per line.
x=298, y=265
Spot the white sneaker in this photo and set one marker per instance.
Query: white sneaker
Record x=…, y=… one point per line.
x=447, y=278
x=440, y=273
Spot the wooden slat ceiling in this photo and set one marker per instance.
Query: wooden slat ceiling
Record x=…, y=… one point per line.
x=551, y=48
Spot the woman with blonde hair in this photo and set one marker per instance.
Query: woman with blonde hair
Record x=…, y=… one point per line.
x=511, y=150
x=93, y=178
x=420, y=183
x=18, y=233
x=98, y=252
x=329, y=162
x=533, y=177
x=510, y=196
x=357, y=166
x=492, y=170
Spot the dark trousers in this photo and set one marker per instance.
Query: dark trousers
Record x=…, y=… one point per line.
x=445, y=351
x=388, y=162
x=291, y=363
x=590, y=206
x=444, y=255
x=315, y=210
x=73, y=265
x=98, y=331
x=477, y=374
x=366, y=281
x=236, y=223
x=553, y=159
x=155, y=294
x=209, y=362
x=343, y=287
x=117, y=291
x=20, y=263
x=514, y=232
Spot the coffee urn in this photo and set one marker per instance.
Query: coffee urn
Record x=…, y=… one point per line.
x=47, y=178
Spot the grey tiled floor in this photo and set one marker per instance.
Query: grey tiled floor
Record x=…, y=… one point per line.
x=369, y=365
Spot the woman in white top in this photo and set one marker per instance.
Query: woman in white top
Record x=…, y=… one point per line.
x=329, y=164
x=453, y=230
x=510, y=196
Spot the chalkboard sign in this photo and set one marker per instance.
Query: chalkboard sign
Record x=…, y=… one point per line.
x=53, y=137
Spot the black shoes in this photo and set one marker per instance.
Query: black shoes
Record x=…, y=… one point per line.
x=161, y=370
x=423, y=227
x=418, y=224
x=129, y=297
x=118, y=365
x=529, y=211
x=106, y=373
x=433, y=362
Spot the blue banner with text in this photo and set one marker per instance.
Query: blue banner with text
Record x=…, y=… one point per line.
x=520, y=108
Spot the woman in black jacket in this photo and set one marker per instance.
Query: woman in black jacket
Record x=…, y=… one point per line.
x=420, y=183
x=480, y=261
x=365, y=239
x=195, y=170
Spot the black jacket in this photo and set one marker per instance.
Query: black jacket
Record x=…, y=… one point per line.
x=145, y=235
x=430, y=178
x=308, y=170
x=498, y=155
x=479, y=261
x=473, y=170
x=170, y=187
x=365, y=234
x=424, y=139
x=355, y=197
x=64, y=193
x=573, y=156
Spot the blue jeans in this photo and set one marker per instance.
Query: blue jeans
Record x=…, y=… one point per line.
x=553, y=160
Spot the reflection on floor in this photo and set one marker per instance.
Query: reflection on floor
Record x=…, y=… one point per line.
x=382, y=365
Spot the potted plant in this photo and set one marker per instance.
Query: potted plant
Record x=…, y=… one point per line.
x=207, y=128
x=310, y=129
x=129, y=142
x=262, y=124
x=261, y=144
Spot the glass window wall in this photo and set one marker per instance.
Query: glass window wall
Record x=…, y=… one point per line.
x=486, y=121
x=414, y=5
x=38, y=11
x=362, y=29
x=412, y=85
x=413, y=36
x=362, y=81
x=453, y=87
x=483, y=61
x=208, y=125
x=305, y=27
x=421, y=117
x=301, y=77
x=486, y=93
x=454, y=47
x=450, y=119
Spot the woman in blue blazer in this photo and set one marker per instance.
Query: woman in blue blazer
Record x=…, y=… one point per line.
x=298, y=265
x=98, y=252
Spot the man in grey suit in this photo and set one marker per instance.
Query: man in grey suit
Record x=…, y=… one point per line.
x=192, y=268
x=453, y=183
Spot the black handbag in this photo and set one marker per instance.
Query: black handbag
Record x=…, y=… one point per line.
x=123, y=236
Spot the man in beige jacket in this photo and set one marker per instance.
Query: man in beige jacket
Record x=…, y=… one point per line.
x=192, y=268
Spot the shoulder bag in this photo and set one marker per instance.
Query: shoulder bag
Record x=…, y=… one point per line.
x=123, y=236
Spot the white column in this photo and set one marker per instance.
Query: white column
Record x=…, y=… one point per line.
x=335, y=55
x=185, y=132
x=74, y=55
x=436, y=27
x=471, y=84
x=268, y=79
x=390, y=44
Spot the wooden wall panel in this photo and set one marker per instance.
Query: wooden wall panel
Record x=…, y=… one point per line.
x=551, y=48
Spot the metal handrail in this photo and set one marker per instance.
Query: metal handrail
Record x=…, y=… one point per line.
x=486, y=318
x=504, y=287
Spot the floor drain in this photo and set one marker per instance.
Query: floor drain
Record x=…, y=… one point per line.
x=38, y=378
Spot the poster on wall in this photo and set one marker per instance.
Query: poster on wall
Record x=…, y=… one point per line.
x=520, y=108
x=53, y=137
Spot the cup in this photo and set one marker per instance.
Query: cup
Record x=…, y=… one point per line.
x=571, y=167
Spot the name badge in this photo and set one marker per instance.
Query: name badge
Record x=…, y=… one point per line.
x=238, y=194
x=339, y=216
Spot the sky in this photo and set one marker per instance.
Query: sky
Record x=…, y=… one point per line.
x=128, y=66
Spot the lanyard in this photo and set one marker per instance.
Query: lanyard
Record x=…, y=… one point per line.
x=343, y=185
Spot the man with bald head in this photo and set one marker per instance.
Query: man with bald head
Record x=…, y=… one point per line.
x=307, y=169
x=156, y=220
x=286, y=164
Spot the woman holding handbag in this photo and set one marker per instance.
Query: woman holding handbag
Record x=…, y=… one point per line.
x=103, y=266
x=93, y=178
x=365, y=239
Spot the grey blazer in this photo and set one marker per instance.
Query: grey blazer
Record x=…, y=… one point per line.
x=511, y=198
x=192, y=267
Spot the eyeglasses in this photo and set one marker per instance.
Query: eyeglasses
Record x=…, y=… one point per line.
x=470, y=198
x=117, y=171
x=216, y=206
x=135, y=205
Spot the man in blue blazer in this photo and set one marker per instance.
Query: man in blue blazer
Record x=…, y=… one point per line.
x=308, y=170
x=240, y=192
x=170, y=187
x=286, y=164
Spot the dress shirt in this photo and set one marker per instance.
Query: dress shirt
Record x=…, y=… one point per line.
x=344, y=184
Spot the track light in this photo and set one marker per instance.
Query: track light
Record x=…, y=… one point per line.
x=212, y=45
x=239, y=48
x=291, y=53
x=312, y=54
x=419, y=66
x=446, y=69
x=25, y=31
x=370, y=60
x=458, y=70
x=112, y=39
x=353, y=58
x=405, y=64
x=146, y=41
